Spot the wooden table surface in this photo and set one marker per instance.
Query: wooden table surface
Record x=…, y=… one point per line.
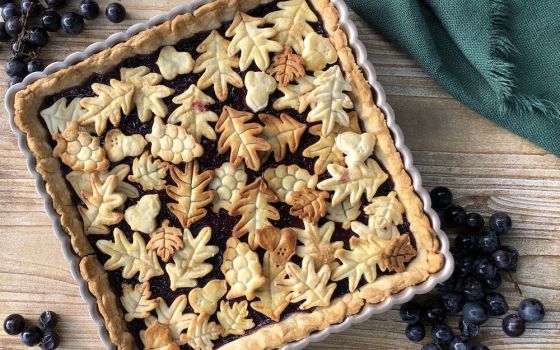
x=488, y=168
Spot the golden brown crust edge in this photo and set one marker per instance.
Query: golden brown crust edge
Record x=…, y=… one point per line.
x=296, y=326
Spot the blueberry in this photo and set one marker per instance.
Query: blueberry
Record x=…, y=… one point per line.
x=31, y=336
x=51, y=21
x=459, y=344
x=466, y=242
x=494, y=282
x=463, y=266
x=488, y=243
x=480, y=347
x=513, y=325
x=410, y=312
x=89, y=9
x=468, y=329
x=455, y=216
x=501, y=259
x=531, y=310
x=115, y=12
x=16, y=67
x=514, y=256
x=11, y=10
x=435, y=312
x=475, y=221
x=48, y=319
x=430, y=346
x=4, y=2
x=447, y=286
x=474, y=312
x=472, y=289
x=441, y=197
x=496, y=304
x=483, y=269
x=3, y=35
x=32, y=8
x=19, y=48
x=14, y=324
x=72, y=23
x=37, y=36
x=415, y=332
x=50, y=340
x=441, y=215
x=13, y=26
x=441, y=333
x=500, y=223
x=453, y=302
x=56, y=4
x=34, y=65
x=15, y=80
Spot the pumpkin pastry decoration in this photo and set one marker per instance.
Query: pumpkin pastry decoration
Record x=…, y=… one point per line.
x=235, y=188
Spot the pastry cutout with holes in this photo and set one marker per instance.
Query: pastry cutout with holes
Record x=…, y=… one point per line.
x=286, y=179
x=280, y=243
x=172, y=143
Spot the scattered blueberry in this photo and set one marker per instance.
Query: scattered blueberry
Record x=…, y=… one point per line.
x=500, y=223
x=466, y=242
x=459, y=344
x=442, y=334
x=455, y=216
x=531, y=310
x=475, y=221
x=468, y=329
x=11, y=10
x=51, y=21
x=472, y=289
x=32, y=8
x=453, y=302
x=3, y=35
x=31, y=336
x=430, y=346
x=89, y=9
x=16, y=67
x=19, y=48
x=72, y=23
x=447, y=286
x=34, y=65
x=14, y=324
x=494, y=282
x=14, y=80
x=48, y=319
x=501, y=259
x=513, y=325
x=488, y=242
x=480, y=347
x=441, y=197
x=13, y=26
x=410, y=313
x=435, y=312
x=50, y=340
x=415, y=332
x=483, y=269
x=37, y=36
x=463, y=266
x=474, y=312
x=56, y=4
x=496, y=304
x=115, y=12
x=513, y=254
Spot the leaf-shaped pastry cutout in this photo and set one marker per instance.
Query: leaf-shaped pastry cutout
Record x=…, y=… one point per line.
x=233, y=318
x=397, y=253
x=148, y=173
x=172, y=62
x=309, y=203
x=285, y=179
x=272, y=297
x=132, y=257
x=317, y=243
x=308, y=285
x=193, y=113
x=325, y=149
x=137, y=301
x=353, y=181
x=189, y=193
x=217, y=66
x=281, y=243
x=295, y=95
x=107, y=105
x=318, y=51
x=227, y=183
x=174, y=317
x=158, y=337
x=343, y=213
x=360, y=261
x=328, y=100
x=252, y=41
x=101, y=205
x=386, y=211
x=255, y=210
x=165, y=241
x=281, y=133
x=287, y=67
x=201, y=333
x=148, y=95
x=173, y=143
x=59, y=115
x=205, y=300
x=242, y=269
x=241, y=138
x=290, y=23
x=81, y=181
x=188, y=263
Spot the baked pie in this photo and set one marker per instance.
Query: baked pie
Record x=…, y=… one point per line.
x=227, y=179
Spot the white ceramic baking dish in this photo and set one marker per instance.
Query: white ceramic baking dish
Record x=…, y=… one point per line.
x=361, y=57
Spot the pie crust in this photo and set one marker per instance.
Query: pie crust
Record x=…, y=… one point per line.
x=225, y=187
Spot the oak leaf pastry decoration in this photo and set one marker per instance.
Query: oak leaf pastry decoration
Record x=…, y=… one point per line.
x=142, y=216
x=132, y=257
x=233, y=318
x=259, y=86
x=286, y=179
x=328, y=100
x=205, y=300
x=81, y=181
x=59, y=115
x=227, y=183
x=344, y=213
x=137, y=301
x=201, y=333
x=397, y=253
x=149, y=173
x=308, y=285
x=255, y=209
x=242, y=270
x=111, y=102
x=353, y=181
x=356, y=147
x=291, y=23
x=173, y=317
x=101, y=205
x=193, y=113
x=79, y=150
x=317, y=243
x=385, y=213
x=148, y=95
x=190, y=193
x=165, y=241
x=172, y=143
x=118, y=146
x=318, y=52
x=281, y=133
x=158, y=337
x=287, y=67
x=217, y=66
x=280, y=243
x=272, y=296
x=253, y=42
x=240, y=137
x=309, y=203
x=295, y=95
x=171, y=62
x=325, y=150
x=189, y=262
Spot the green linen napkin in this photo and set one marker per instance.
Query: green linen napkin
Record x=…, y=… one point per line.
x=500, y=58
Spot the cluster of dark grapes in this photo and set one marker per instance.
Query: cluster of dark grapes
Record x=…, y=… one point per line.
x=470, y=292
x=30, y=335
x=27, y=24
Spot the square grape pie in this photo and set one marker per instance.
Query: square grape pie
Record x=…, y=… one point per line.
x=227, y=179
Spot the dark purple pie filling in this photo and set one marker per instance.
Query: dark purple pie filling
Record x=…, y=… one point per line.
x=221, y=223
